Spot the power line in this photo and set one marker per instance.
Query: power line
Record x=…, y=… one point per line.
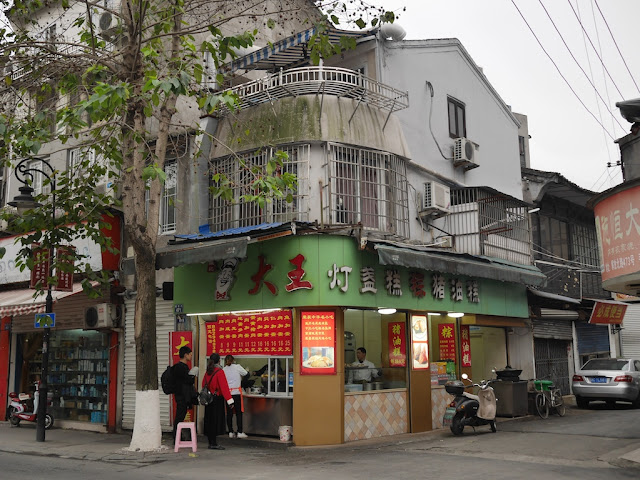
x=616, y=44
x=559, y=72
x=579, y=66
x=594, y=49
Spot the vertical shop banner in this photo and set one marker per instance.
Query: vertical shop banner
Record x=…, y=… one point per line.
x=397, y=345
x=447, y=341
x=177, y=340
x=268, y=334
x=465, y=345
x=65, y=255
x=318, y=343
x=420, y=342
x=41, y=265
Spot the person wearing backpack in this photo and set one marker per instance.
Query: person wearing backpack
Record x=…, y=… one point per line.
x=184, y=386
x=214, y=413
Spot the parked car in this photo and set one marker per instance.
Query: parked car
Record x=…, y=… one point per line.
x=608, y=379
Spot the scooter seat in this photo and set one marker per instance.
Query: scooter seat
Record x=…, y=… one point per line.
x=24, y=396
x=471, y=396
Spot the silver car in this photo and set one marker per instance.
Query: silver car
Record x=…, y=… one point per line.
x=608, y=379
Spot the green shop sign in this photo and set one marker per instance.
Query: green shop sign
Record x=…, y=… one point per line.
x=319, y=270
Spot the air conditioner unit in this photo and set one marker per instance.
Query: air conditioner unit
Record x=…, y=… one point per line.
x=436, y=201
x=108, y=188
x=464, y=153
x=103, y=315
x=108, y=24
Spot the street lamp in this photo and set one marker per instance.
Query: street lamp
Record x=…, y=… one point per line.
x=25, y=171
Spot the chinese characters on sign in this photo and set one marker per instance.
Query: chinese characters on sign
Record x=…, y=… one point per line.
x=65, y=255
x=608, y=313
x=397, y=346
x=178, y=340
x=465, y=345
x=268, y=334
x=447, y=341
x=420, y=342
x=318, y=343
x=618, y=229
x=40, y=271
x=335, y=281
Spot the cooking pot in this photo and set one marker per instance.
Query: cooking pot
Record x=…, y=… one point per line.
x=368, y=387
x=256, y=390
x=377, y=385
x=508, y=374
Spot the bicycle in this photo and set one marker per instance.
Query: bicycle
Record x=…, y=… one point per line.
x=548, y=397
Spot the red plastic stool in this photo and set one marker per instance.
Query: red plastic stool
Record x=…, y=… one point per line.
x=193, y=443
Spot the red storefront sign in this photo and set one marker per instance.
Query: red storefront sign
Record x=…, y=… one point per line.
x=447, y=341
x=177, y=340
x=268, y=334
x=318, y=343
x=618, y=228
x=397, y=345
x=465, y=345
x=608, y=313
x=65, y=255
x=41, y=265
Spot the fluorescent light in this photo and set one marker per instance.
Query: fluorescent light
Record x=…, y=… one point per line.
x=433, y=313
x=386, y=311
x=534, y=210
x=235, y=312
x=455, y=314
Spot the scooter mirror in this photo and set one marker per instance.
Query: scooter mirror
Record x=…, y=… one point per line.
x=465, y=376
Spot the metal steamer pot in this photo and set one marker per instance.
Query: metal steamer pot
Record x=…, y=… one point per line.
x=256, y=390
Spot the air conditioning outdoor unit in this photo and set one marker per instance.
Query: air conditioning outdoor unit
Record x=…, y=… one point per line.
x=103, y=315
x=108, y=188
x=464, y=153
x=436, y=200
x=107, y=24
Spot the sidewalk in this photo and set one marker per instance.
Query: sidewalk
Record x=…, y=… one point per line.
x=83, y=445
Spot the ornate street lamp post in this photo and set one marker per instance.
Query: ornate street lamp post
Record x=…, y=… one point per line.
x=25, y=171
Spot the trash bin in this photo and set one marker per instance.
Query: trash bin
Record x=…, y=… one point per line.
x=512, y=398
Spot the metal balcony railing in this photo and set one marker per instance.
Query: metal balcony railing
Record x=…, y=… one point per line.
x=21, y=68
x=340, y=82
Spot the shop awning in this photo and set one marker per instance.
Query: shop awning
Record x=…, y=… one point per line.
x=183, y=254
x=460, y=264
x=21, y=301
x=553, y=296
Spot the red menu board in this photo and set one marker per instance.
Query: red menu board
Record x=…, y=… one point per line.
x=465, y=345
x=268, y=334
x=177, y=340
x=608, y=313
x=40, y=271
x=447, y=341
x=318, y=343
x=397, y=345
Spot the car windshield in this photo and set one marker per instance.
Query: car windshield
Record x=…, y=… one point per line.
x=606, y=364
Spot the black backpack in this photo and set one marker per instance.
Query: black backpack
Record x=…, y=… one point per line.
x=168, y=383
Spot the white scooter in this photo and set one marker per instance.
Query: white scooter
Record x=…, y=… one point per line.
x=470, y=410
x=24, y=407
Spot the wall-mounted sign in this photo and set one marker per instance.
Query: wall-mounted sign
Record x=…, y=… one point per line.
x=420, y=342
x=447, y=341
x=268, y=334
x=608, y=313
x=41, y=266
x=177, y=340
x=397, y=344
x=318, y=343
x=465, y=345
x=65, y=255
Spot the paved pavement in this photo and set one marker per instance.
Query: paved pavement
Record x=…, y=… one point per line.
x=83, y=445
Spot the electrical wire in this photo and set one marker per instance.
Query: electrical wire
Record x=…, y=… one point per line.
x=558, y=69
x=430, y=87
x=616, y=44
x=581, y=69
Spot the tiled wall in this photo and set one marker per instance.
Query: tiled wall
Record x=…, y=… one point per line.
x=370, y=415
x=439, y=401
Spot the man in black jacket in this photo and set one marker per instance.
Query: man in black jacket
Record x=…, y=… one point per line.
x=186, y=390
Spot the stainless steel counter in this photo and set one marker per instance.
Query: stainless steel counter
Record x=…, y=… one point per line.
x=263, y=414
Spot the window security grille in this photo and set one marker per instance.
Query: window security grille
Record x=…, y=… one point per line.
x=368, y=187
x=169, y=197
x=238, y=170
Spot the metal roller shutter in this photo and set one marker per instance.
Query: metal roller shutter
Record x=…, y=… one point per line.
x=165, y=321
x=550, y=328
x=630, y=333
x=592, y=338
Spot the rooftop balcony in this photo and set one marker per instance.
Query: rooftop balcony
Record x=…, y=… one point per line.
x=340, y=82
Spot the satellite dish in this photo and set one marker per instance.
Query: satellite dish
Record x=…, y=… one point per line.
x=393, y=32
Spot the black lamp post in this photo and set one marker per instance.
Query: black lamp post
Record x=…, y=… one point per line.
x=24, y=201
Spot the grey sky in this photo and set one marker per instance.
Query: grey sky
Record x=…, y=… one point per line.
x=565, y=137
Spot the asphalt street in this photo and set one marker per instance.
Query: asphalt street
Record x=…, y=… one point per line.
x=586, y=444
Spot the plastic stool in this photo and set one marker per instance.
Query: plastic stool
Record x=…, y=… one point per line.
x=193, y=443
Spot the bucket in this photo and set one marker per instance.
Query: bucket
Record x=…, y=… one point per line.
x=285, y=433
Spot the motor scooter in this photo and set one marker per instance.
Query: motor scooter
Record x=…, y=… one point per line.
x=24, y=407
x=468, y=409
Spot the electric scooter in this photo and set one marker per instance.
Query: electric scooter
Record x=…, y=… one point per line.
x=468, y=409
x=24, y=407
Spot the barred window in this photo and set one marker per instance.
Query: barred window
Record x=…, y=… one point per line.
x=238, y=171
x=169, y=197
x=368, y=187
x=584, y=245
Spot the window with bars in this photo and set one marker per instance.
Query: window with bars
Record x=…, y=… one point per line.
x=169, y=197
x=584, y=245
x=368, y=187
x=238, y=170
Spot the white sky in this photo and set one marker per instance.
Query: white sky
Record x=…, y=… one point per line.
x=565, y=138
